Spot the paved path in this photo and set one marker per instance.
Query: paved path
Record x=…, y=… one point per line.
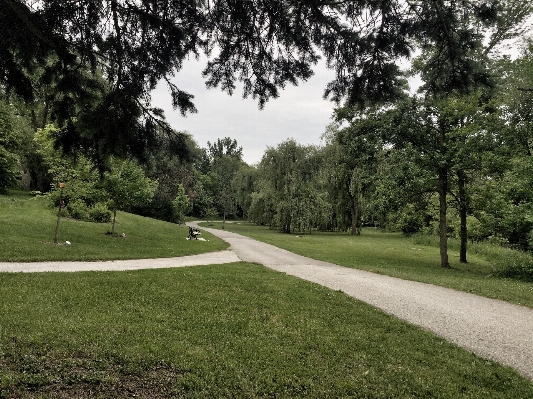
x=211, y=258
x=490, y=328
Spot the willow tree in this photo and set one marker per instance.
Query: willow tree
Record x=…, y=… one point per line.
x=9, y=144
x=357, y=163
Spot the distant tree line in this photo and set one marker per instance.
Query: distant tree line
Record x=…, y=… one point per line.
x=453, y=159
x=458, y=165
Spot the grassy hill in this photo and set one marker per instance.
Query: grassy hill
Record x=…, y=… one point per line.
x=27, y=227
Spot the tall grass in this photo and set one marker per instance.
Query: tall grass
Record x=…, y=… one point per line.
x=506, y=262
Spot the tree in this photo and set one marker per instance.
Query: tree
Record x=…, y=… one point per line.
x=127, y=186
x=9, y=145
x=171, y=166
x=224, y=147
x=454, y=63
x=511, y=23
x=82, y=196
x=418, y=125
x=503, y=198
x=290, y=197
x=516, y=96
x=223, y=170
x=180, y=204
x=360, y=144
x=243, y=184
x=404, y=191
x=202, y=200
x=472, y=120
x=221, y=160
x=265, y=45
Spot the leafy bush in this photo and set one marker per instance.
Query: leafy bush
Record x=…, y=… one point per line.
x=477, y=230
x=506, y=262
x=99, y=213
x=180, y=205
x=65, y=213
x=514, y=264
x=408, y=220
x=78, y=210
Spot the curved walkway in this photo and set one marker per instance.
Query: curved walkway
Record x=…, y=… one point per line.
x=490, y=328
x=210, y=258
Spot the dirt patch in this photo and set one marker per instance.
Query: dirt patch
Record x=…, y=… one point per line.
x=40, y=374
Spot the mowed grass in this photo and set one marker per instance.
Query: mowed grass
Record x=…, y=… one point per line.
x=237, y=330
x=394, y=255
x=27, y=227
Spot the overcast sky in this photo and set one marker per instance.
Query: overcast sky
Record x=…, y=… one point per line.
x=299, y=112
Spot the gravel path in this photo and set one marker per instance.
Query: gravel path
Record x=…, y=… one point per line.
x=490, y=328
x=211, y=258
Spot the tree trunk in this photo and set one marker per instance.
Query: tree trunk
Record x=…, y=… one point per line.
x=114, y=218
x=56, y=235
x=356, y=230
x=443, y=236
x=224, y=219
x=287, y=226
x=463, y=210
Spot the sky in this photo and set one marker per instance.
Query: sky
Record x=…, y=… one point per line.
x=299, y=112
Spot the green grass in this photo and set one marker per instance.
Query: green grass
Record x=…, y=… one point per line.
x=27, y=227
x=238, y=330
x=394, y=255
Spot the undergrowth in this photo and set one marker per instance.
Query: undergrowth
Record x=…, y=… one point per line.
x=506, y=262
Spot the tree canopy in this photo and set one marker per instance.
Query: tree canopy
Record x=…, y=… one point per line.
x=104, y=57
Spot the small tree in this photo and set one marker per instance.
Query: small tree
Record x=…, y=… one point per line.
x=127, y=186
x=180, y=204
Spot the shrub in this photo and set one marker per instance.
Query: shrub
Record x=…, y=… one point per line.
x=65, y=213
x=506, y=262
x=78, y=210
x=514, y=264
x=408, y=221
x=99, y=213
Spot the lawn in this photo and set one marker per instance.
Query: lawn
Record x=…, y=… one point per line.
x=237, y=330
x=394, y=255
x=27, y=227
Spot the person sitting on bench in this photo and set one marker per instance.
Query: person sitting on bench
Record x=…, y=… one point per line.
x=193, y=233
